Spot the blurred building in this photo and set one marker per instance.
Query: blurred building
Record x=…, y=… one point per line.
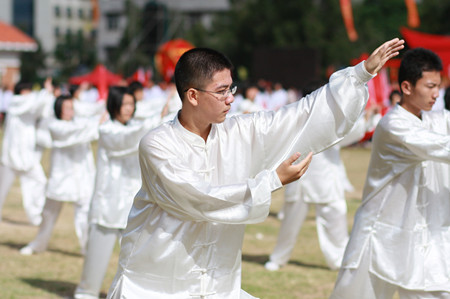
x=12, y=43
x=104, y=21
x=48, y=21
x=162, y=19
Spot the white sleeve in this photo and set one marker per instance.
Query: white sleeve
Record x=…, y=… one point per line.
x=183, y=192
x=119, y=141
x=318, y=120
x=69, y=133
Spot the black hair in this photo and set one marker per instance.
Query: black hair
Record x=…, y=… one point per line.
x=19, y=87
x=135, y=86
x=115, y=99
x=392, y=94
x=196, y=67
x=58, y=104
x=415, y=62
x=447, y=98
x=73, y=89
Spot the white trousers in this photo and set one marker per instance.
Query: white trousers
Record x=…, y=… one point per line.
x=360, y=283
x=50, y=213
x=332, y=231
x=32, y=184
x=99, y=249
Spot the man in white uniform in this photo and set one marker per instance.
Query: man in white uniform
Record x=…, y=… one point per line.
x=204, y=176
x=400, y=240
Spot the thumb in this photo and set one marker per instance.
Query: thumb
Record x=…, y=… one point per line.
x=293, y=158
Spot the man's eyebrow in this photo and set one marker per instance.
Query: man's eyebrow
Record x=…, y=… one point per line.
x=223, y=86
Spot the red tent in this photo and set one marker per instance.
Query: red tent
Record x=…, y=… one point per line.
x=101, y=78
x=440, y=44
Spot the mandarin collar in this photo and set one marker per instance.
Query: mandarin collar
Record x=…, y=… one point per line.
x=191, y=137
x=402, y=111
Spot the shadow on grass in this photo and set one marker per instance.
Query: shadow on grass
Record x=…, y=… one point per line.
x=262, y=259
x=16, y=222
x=63, y=289
x=18, y=246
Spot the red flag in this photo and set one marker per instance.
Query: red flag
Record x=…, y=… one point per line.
x=413, y=15
x=347, y=15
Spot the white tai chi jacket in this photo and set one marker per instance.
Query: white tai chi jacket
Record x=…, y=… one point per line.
x=118, y=174
x=404, y=218
x=19, y=141
x=72, y=168
x=326, y=179
x=186, y=226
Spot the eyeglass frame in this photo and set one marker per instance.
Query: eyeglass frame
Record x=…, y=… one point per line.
x=224, y=93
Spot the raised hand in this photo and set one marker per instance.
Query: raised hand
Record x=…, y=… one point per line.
x=288, y=172
x=382, y=54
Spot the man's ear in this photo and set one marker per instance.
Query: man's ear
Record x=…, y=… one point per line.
x=192, y=97
x=406, y=87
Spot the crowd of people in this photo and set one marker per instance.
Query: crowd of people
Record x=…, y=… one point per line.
x=182, y=167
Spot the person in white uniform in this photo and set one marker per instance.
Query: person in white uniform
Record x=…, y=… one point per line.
x=117, y=181
x=72, y=173
x=324, y=186
x=400, y=241
x=205, y=176
x=20, y=153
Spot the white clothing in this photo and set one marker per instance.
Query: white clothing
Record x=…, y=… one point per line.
x=72, y=168
x=19, y=140
x=323, y=185
x=90, y=95
x=186, y=226
x=32, y=186
x=248, y=106
x=20, y=154
x=402, y=224
x=89, y=109
x=155, y=93
x=234, y=109
x=117, y=181
x=360, y=283
x=118, y=174
x=148, y=109
x=50, y=214
x=43, y=137
x=71, y=179
x=440, y=102
x=332, y=231
x=98, y=253
x=5, y=99
x=277, y=99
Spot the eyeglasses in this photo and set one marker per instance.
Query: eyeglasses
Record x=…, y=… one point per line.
x=223, y=94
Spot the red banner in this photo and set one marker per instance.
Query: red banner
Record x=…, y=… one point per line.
x=347, y=15
x=413, y=15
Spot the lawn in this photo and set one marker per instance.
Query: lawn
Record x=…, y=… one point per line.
x=56, y=272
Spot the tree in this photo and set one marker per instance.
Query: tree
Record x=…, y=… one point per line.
x=31, y=63
x=73, y=52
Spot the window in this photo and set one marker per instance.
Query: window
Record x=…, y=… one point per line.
x=57, y=32
x=81, y=14
x=57, y=11
x=69, y=12
x=112, y=21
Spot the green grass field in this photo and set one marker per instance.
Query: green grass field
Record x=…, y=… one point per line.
x=56, y=272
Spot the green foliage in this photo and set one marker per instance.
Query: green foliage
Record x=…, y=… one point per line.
x=315, y=24
x=129, y=55
x=31, y=63
x=434, y=16
x=73, y=51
